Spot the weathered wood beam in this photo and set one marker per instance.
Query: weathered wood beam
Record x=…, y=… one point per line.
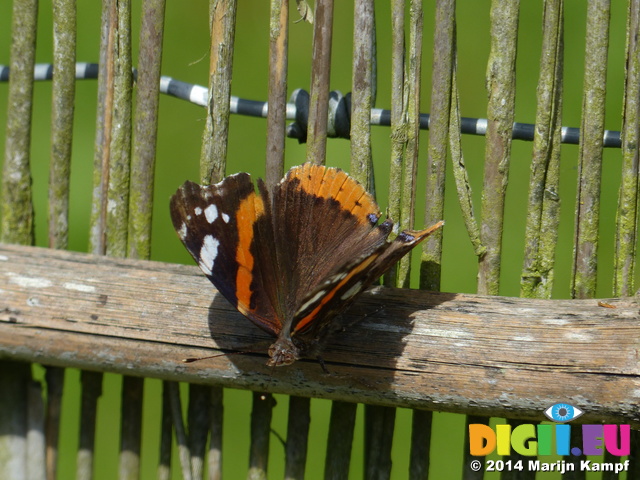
x=441, y=351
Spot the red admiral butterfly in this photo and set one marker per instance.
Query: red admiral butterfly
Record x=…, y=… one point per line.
x=291, y=259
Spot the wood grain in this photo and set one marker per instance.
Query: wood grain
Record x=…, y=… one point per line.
x=474, y=354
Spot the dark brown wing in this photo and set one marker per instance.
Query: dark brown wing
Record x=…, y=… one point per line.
x=334, y=295
x=323, y=220
x=227, y=228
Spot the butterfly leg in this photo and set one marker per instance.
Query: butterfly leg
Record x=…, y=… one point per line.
x=323, y=365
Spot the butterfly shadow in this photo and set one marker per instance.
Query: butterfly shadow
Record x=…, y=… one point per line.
x=371, y=342
x=384, y=329
x=235, y=336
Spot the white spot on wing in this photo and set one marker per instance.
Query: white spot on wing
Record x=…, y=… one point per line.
x=336, y=278
x=225, y=217
x=311, y=301
x=352, y=291
x=211, y=212
x=208, y=254
x=197, y=211
x=182, y=232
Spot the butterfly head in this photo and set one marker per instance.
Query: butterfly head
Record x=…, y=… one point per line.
x=283, y=352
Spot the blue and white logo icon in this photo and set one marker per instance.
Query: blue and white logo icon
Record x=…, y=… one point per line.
x=562, y=412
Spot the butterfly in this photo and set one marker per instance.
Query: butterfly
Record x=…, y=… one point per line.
x=291, y=258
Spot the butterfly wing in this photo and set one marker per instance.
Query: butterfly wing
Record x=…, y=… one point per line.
x=322, y=219
x=339, y=290
x=292, y=259
x=227, y=228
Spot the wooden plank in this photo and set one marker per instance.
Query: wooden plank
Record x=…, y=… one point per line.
x=297, y=438
x=130, y=427
x=14, y=445
x=199, y=421
x=340, y=441
x=55, y=384
x=216, y=415
x=261, y=415
x=421, y=423
x=379, y=424
x=91, y=392
x=473, y=354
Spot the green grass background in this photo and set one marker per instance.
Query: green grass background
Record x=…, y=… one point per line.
x=185, y=57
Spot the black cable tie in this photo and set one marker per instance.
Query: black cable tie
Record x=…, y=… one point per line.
x=298, y=129
x=342, y=116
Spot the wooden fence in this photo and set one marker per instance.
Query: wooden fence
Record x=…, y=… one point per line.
x=114, y=310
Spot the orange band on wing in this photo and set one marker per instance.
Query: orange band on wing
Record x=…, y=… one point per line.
x=326, y=182
x=249, y=211
x=311, y=316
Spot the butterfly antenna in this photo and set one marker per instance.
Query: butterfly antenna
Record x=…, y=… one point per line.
x=197, y=359
x=256, y=348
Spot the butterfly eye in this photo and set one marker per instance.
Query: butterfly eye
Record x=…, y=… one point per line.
x=562, y=412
